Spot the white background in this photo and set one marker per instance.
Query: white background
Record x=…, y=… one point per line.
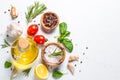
x=93, y=23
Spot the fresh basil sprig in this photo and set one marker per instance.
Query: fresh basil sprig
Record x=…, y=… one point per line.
x=7, y=64
x=57, y=74
x=63, y=34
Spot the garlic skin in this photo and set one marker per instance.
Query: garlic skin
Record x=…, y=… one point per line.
x=14, y=30
x=71, y=68
x=73, y=58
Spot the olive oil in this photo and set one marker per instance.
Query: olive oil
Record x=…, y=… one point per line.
x=23, y=58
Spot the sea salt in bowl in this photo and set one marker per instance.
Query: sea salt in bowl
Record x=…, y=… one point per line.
x=53, y=54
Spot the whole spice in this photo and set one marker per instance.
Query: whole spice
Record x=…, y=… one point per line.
x=14, y=13
x=50, y=19
x=73, y=58
x=71, y=68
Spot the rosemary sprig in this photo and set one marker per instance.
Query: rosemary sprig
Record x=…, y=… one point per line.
x=34, y=10
x=26, y=72
x=6, y=44
x=56, y=53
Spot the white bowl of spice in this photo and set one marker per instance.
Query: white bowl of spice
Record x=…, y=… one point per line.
x=53, y=54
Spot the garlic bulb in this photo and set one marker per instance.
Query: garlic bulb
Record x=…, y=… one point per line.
x=14, y=30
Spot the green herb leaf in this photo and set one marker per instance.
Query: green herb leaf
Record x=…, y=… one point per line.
x=57, y=74
x=68, y=44
x=60, y=39
x=56, y=53
x=67, y=33
x=34, y=11
x=6, y=42
x=26, y=72
x=63, y=28
x=4, y=45
x=7, y=64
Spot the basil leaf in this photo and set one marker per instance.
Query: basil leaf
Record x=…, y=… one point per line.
x=68, y=44
x=67, y=33
x=57, y=74
x=60, y=39
x=7, y=64
x=63, y=28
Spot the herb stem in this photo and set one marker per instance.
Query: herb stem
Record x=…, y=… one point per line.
x=34, y=11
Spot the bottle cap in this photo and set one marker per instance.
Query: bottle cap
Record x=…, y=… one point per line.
x=23, y=43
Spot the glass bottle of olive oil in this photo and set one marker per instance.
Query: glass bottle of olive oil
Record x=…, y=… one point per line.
x=24, y=52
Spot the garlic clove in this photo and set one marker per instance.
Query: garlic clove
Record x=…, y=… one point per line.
x=14, y=12
x=73, y=58
x=71, y=68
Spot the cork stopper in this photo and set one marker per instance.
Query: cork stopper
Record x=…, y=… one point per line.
x=23, y=43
